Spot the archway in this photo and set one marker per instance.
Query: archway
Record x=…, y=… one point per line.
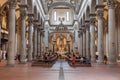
x=59, y=4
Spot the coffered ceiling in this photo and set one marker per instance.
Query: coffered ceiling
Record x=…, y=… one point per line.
x=50, y=4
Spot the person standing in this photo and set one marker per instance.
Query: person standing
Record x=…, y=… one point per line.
x=73, y=59
x=19, y=58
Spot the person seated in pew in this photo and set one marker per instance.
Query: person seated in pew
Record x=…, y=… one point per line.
x=81, y=60
x=46, y=57
x=73, y=59
x=88, y=61
x=84, y=60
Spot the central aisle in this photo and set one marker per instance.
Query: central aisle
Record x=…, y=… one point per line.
x=60, y=71
x=86, y=73
x=61, y=66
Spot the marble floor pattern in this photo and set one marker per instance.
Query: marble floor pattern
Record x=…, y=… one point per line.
x=59, y=71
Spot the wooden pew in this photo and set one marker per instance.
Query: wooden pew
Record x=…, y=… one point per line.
x=45, y=62
x=78, y=63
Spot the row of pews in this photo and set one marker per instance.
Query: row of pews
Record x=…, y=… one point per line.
x=79, y=62
x=45, y=62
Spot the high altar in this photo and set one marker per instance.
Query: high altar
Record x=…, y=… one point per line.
x=61, y=40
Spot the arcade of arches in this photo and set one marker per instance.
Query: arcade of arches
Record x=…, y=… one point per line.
x=87, y=29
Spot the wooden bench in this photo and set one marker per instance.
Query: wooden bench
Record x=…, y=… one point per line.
x=78, y=63
x=45, y=62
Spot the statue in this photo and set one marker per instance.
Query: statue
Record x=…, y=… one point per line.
x=61, y=43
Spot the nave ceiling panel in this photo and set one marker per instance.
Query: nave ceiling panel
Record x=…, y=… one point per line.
x=47, y=4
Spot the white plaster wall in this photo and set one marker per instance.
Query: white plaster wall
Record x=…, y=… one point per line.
x=60, y=14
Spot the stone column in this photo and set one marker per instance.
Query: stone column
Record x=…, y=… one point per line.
x=30, y=36
x=39, y=42
x=112, y=56
x=84, y=42
x=100, y=10
x=92, y=38
x=41, y=37
x=81, y=42
x=46, y=34
x=41, y=54
x=11, y=35
x=18, y=39
x=35, y=41
x=76, y=36
x=87, y=39
x=23, y=33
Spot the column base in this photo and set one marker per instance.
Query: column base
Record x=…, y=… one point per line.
x=93, y=61
x=29, y=61
x=10, y=65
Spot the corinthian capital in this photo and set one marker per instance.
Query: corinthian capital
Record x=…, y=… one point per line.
x=12, y=3
x=92, y=18
x=111, y=3
x=100, y=10
x=87, y=24
x=30, y=18
x=23, y=13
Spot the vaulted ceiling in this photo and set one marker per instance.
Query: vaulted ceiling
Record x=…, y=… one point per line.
x=50, y=4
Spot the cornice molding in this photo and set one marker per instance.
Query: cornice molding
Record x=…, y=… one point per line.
x=65, y=25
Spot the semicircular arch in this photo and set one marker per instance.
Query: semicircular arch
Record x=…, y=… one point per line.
x=60, y=3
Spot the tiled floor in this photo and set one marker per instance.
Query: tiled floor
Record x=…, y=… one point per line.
x=26, y=72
